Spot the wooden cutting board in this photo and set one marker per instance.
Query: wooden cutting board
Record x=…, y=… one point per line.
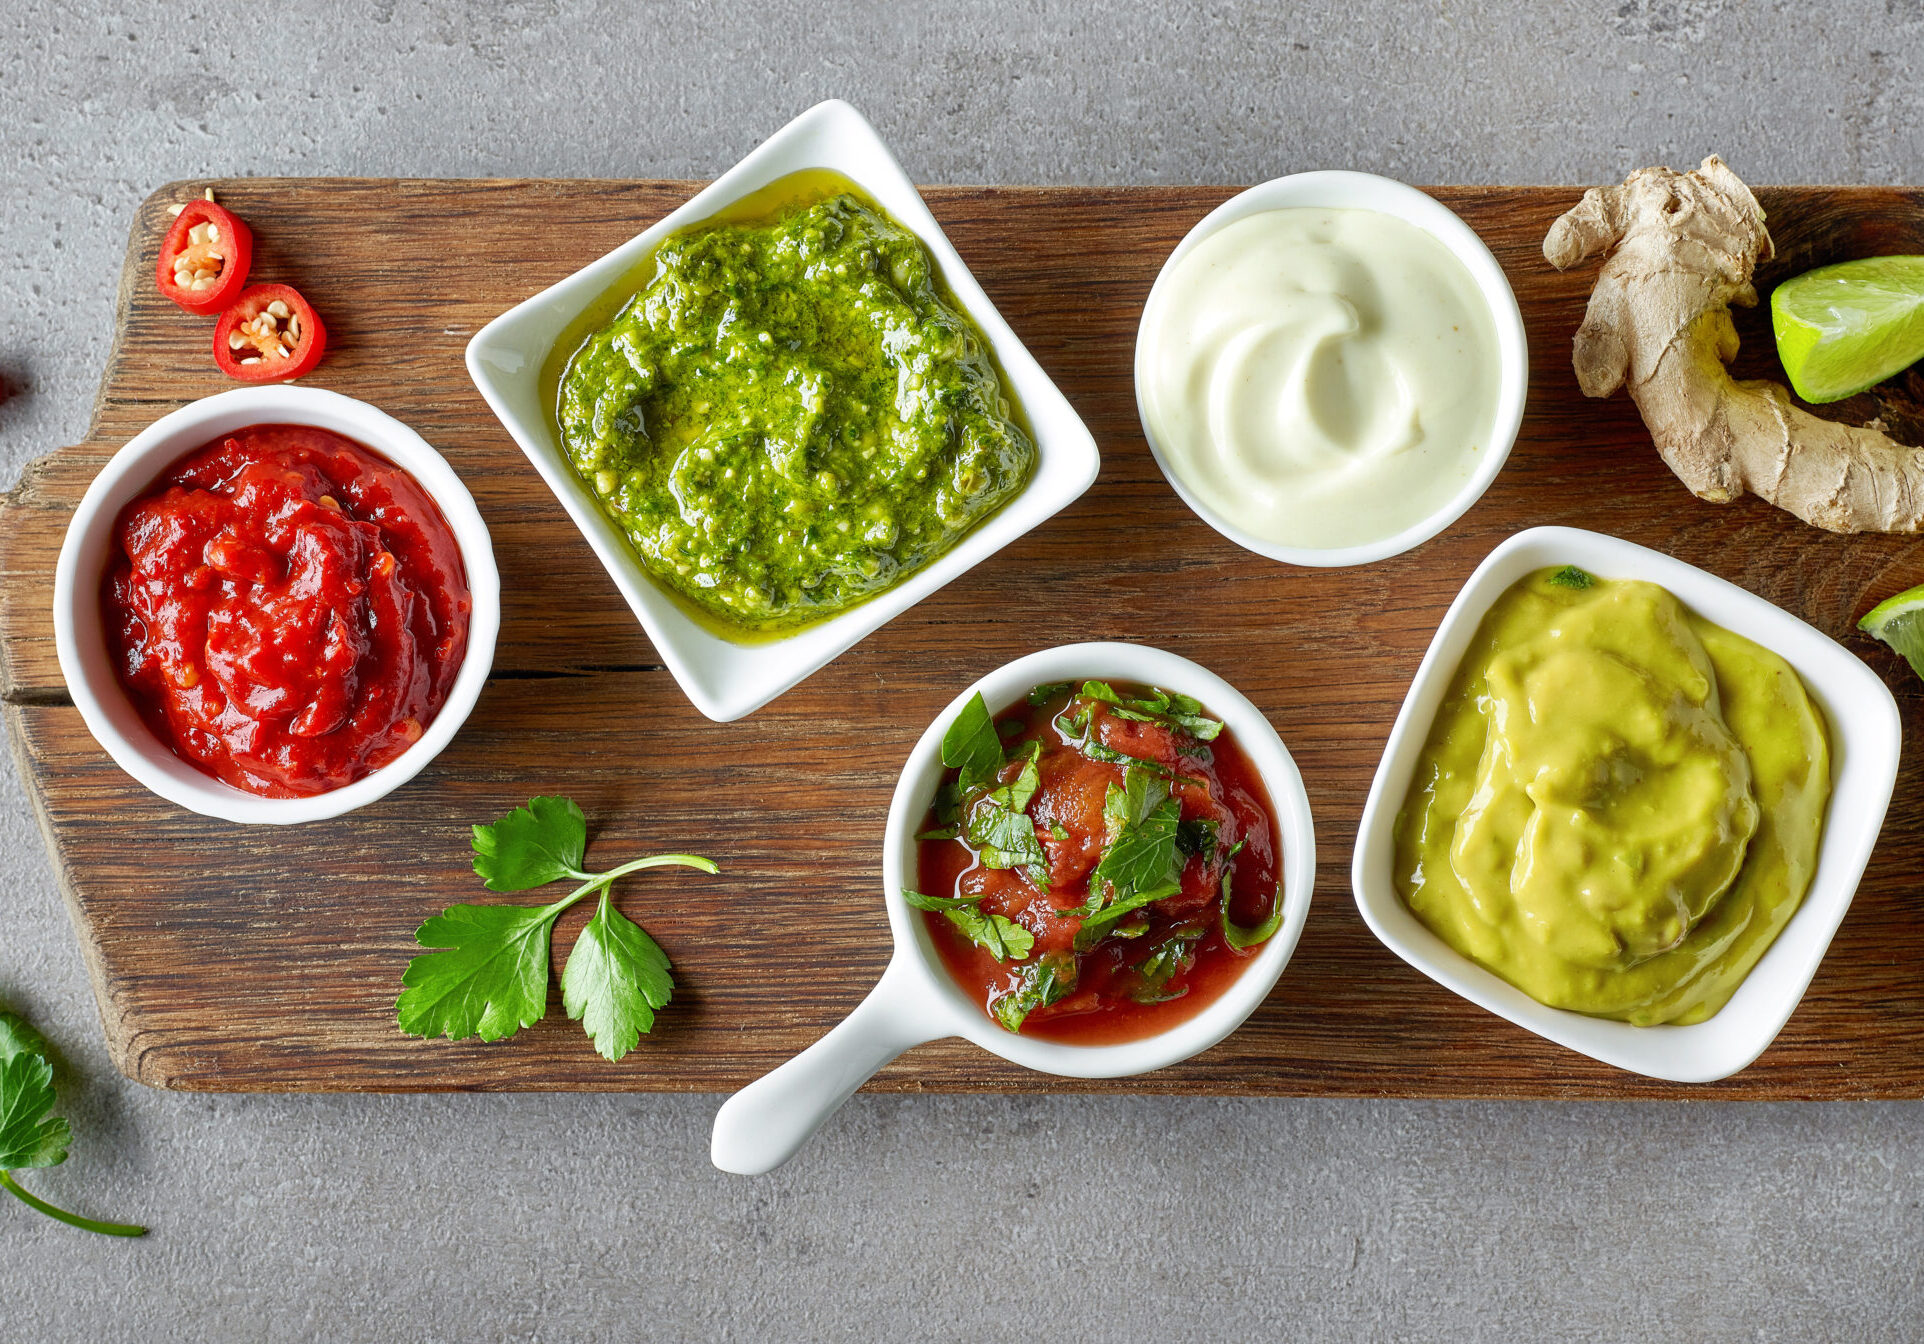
x=258, y=959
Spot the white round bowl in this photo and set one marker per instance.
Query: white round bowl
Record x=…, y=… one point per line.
x=1366, y=191
x=763, y=1125
x=81, y=640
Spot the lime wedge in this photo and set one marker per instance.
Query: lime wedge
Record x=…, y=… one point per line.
x=1843, y=328
x=1899, y=622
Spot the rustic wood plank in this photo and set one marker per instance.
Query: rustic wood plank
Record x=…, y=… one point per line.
x=265, y=960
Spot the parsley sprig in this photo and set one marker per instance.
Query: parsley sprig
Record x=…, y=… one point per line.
x=29, y=1137
x=488, y=974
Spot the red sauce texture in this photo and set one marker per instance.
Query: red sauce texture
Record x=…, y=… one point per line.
x=1214, y=782
x=286, y=608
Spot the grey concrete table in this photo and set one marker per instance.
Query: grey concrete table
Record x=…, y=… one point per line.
x=489, y=1218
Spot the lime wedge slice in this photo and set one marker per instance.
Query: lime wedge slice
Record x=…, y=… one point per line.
x=1843, y=328
x=1899, y=622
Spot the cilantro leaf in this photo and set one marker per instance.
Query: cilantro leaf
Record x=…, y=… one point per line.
x=29, y=1137
x=489, y=977
x=971, y=745
x=486, y=974
x=1046, y=982
x=532, y=846
x=615, y=979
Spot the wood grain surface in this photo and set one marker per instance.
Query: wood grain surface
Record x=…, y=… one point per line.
x=257, y=959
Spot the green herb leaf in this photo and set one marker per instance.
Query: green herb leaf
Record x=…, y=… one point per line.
x=1046, y=982
x=1174, y=955
x=938, y=903
x=1235, y=934
x=1046, y=692
x=487, y=973
x=939, y=833
x=1197, y=838
x=1572, y=577
x=1159, y=706
x=1000, y=937
x=972, y=746
x=615, y=980
x=489, y=977
x=532, y=846
x=29, y=1137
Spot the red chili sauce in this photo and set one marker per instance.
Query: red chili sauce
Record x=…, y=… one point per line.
x=1112, y=993
x=287, y=609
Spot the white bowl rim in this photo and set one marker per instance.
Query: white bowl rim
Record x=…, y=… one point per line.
x=96, y=690
x=726, y=680
x=1866, y=733
x=1343, y=189
x=947, y=1011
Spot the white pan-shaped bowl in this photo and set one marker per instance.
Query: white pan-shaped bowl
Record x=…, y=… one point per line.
x=763, y=1125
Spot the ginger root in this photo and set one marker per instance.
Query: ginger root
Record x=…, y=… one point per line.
x=1682, y=249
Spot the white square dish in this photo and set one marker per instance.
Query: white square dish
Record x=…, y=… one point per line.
x=724, y=679
x=1865, y=739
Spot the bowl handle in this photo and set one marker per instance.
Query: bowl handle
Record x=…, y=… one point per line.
x=765, y=1123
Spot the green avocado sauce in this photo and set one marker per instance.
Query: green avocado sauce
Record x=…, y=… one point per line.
x=1619, y=806
x=789, y=414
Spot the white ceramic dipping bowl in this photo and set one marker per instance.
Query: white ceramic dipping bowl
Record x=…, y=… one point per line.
x=917, y=1000
x=80, y=638
x=1365, y=191
x=1865, y=736
x=725, y=679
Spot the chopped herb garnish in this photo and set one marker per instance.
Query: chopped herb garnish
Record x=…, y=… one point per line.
x=1048, y=691
x=1235, y=934
x=1572, y=577
x=1159, y=706
x=1001, y=938
x=1052, y=976
x=1171, y=957
x=971, y=746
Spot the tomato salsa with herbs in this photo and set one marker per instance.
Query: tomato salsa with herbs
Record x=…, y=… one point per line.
x=1100, y=862
x=286, y=609
x=792, y=415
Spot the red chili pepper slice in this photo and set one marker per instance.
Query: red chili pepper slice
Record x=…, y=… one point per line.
x=269, y=335
x=204, y=258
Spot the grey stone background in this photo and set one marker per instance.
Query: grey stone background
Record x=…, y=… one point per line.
x=550, y=1218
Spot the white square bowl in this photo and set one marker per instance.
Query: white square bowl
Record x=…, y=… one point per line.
x=1865, y=738
x=726, y=680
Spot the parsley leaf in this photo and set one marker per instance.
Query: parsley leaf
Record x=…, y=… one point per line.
x=972, y=746
x=1001, y=937
x=1159, y=706
x=615, y=979
x=1142, y=861
x=486, y=974
x=1046, y=982
x=1172, y=956
x=1235, y=934
x=1571, y=577
x=29, y=1137
x=1041, y=695
x=998, y=825
x=489, y=977
x=532, y=846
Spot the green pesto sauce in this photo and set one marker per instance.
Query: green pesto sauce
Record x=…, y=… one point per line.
x=790, y=416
